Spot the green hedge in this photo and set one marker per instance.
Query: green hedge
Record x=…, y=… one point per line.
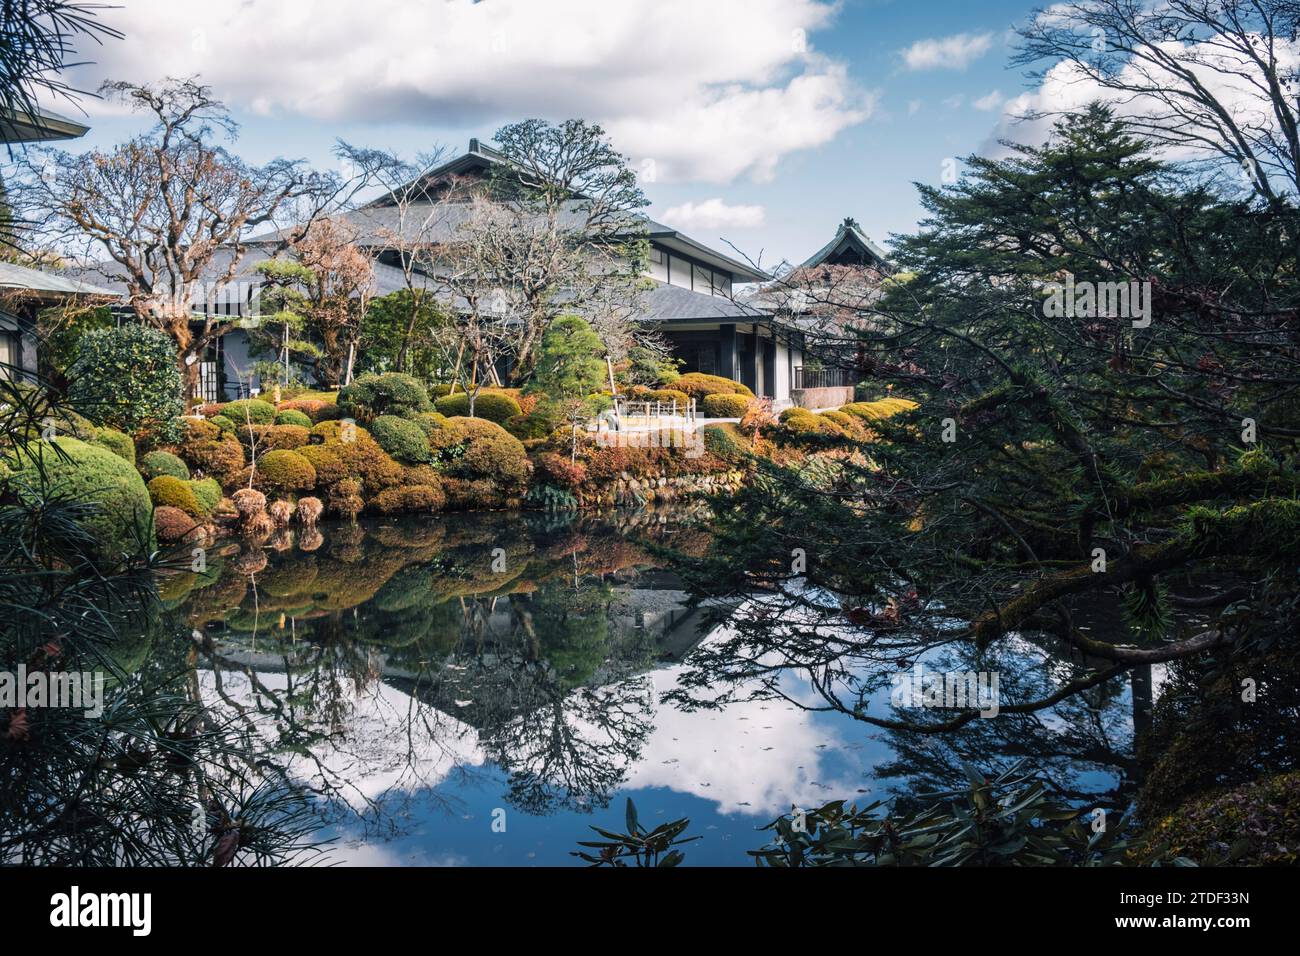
x=126, y=378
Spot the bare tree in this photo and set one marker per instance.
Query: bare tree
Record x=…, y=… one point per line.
x=1217, y=76
x=406, y=225
x=171, y=208
x=339, y=289
x=575, y=237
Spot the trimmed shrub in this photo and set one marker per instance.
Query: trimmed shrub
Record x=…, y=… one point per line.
x=208, y=493
x=874, y=411
x=475, y=448
x=537, y=424
x=126, y=377
x=557, y=470
x=361, y=459
x=245, y=410
x=314, y=408
x=429, y=422
x=439, y=390
x=725, y=406
x=174, y=492
x=344, y=498
x=697, y=385
x=92, y=475
x=493, y=406
x=157, y=463
x=172, y=524
x=274, y=437
x=408, y=498
x=226, y=425
x=392, y=393
x=406, y=441
x=800, y=421
x=284, y=470
x=198, y=429
x=221, y=458
x=291, y=416
x=119, y=443
x=726, y=440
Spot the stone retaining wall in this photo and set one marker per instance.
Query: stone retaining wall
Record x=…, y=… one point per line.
x=627, y=490
x=822, y=397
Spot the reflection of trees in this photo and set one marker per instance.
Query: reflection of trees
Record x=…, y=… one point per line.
x=526, y=660
x=793, y=643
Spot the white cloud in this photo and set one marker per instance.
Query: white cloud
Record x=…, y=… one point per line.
x=1067, y=87
x=990, y=102
x=713, y=214
x=710, y=91
x=955, y=52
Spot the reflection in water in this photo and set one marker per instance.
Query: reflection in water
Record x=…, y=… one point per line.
x=421, y=676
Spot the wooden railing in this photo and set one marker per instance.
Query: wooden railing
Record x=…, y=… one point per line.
x=640, y=414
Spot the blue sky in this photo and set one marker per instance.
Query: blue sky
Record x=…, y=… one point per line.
x=762, y=122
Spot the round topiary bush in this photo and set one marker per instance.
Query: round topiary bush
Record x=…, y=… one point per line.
x=429, y=422
x=157, y=463
x=725, y=406
x=410, y=498
x=119, y=517
x=405, y=440
x=126, y=377
x=493, y=406
x=874, y=411
x=802, y=422
x=172, y=524
x=246, y=410
x=208, y=492
x=530, y=427
x=291, y=416
x=314, y=408
x=273, y=437
x=697, y=385
x=392, y=393
x=285, y=470
x=119, y=443
x=475, y=448
x=175, y=493
x=222, y=422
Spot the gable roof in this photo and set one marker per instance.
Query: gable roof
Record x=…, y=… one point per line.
x=850, y=243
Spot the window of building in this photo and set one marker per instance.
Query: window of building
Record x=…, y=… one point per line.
x=8, y=356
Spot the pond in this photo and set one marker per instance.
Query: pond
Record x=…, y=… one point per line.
x=479, y=689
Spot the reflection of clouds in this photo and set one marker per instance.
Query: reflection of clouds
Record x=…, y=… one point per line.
x=392, y=742
x=382, y=854
x=755, y=757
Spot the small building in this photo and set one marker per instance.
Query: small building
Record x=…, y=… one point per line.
x=23, y=291
x=695, y=300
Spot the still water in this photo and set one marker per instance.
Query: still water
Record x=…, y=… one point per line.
x=479, y=689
